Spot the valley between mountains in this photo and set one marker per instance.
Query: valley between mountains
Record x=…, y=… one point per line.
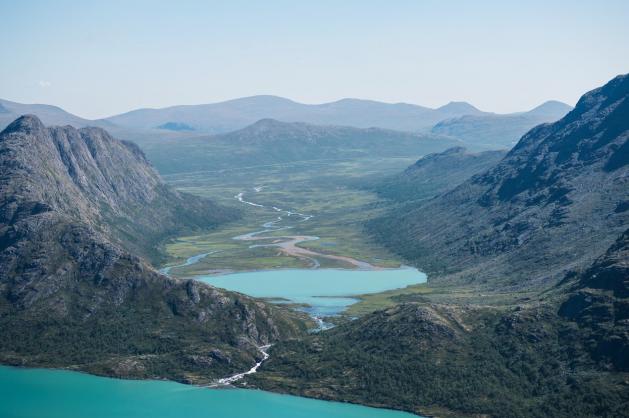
x=285, y=250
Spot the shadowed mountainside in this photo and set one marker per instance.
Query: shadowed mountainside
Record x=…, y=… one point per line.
x=555, y=207
x=71, y=294
x=555, y=202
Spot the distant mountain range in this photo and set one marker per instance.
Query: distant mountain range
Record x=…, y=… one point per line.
x=49, y=115
x=460, y=119
x=236, y=114
x=492, y=131
x=270, y=141
x=77, y=207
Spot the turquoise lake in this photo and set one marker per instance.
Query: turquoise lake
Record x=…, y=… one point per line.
x=40, y=393
x=327, y=291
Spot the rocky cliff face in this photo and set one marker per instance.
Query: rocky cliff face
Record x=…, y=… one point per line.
x=555, y=202
x=106, y=183
x=72, y=204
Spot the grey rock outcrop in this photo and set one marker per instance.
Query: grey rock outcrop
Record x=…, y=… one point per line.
x=74, y=204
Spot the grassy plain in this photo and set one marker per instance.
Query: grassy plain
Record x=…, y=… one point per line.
x=324, y=189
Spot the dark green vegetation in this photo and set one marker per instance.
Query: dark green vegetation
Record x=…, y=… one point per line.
x=71, y=292
x=459, y=361
x=563, y=354
x=492, y=131
x=526, y=312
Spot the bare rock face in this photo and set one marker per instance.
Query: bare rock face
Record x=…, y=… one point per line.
x=555, y=202
x=88, y=175
x=73, y=203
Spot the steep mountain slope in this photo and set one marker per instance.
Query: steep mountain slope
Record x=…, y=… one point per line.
x=72, y=202
x=552, y=215
x=269, y=142
x=89, y=175
x=236, y=114
x=556, y=201
x=491, y=131
x=435, y=174
x=562, y=355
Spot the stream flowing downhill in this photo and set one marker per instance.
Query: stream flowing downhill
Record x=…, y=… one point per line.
x=234, y=378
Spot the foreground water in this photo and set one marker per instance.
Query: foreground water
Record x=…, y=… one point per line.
x=326, y=291
x=40, y=393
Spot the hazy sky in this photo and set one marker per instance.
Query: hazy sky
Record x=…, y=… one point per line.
x=104, y=57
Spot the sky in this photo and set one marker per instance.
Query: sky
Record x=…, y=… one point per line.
x=99, y=58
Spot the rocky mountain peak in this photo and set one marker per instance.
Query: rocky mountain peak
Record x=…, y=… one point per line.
x=88, y=175
x=26, y=124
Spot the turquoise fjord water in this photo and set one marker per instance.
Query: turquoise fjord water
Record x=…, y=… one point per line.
x=327, y=291
x=40, y=393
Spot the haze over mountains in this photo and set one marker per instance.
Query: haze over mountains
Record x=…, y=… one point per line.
x=480, y=130
x=270, y=141
x=235, y=114
x=492, y=131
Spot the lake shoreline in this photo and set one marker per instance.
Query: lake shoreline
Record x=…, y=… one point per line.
x=134, y=393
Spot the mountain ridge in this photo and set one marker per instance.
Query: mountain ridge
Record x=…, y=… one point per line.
x=236, y=113
x=435, y=173
x=560, y=180
x=83, y=168
x=269, y=141
x=526, y=310
x=491, y=130
x=73, y=292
